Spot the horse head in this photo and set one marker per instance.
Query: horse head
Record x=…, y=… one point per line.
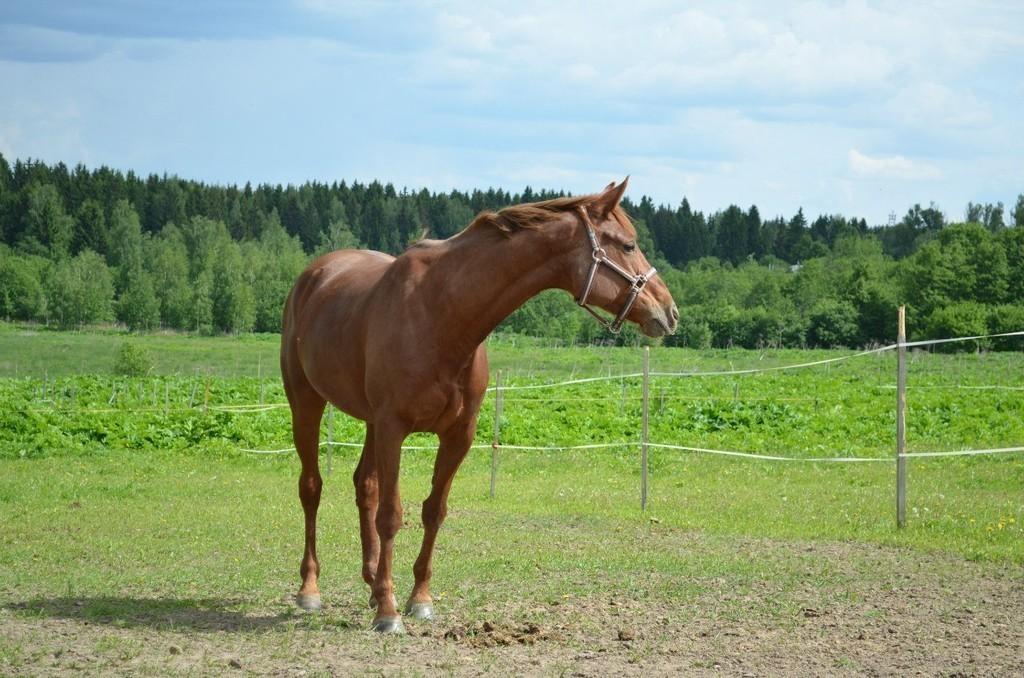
x=611, y=272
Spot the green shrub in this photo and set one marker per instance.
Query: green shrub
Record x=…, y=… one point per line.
x=1006, y=318
x=959, y=319
x=832, y=324
x=133, y=360
x=693, y=331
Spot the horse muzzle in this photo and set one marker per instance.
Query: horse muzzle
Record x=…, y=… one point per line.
x=662, y=321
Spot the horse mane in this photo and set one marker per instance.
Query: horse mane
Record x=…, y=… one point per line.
x=534, y=216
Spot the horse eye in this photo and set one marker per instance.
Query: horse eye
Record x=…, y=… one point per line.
x=629, y=247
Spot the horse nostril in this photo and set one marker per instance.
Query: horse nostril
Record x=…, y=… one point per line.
x=675, y=313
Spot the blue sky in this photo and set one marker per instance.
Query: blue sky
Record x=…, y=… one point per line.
x=859, y=108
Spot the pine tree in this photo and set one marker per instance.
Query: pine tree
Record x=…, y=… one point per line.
x=794, y=231
x=49, y=228
x=731, y=235
x=755, y=245
x=90, y=228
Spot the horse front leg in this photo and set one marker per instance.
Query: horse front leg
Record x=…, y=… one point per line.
x=454, y=445
x=387, y=448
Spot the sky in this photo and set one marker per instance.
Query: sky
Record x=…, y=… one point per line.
x=856, y=108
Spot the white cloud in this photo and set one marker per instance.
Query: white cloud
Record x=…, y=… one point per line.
x=743, y=102
x=713, y=51
x=890, y=167
x=934, y=104
x=463, y=34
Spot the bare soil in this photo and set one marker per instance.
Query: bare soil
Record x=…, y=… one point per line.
x=885, y=612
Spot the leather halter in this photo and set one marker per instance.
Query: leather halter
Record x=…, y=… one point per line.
x=598, y=257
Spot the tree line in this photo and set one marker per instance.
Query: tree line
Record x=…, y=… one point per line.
x=80, y=246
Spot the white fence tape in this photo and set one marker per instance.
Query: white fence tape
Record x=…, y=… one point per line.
x=634, y=375
x=685, y=448
x=766, y=457
x=777, y=368
x=964, y=453
x=571, y=382
x=993, y=387
x=932, y=342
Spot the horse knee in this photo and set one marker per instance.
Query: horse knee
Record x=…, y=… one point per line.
x=366, y=494
x=310, y=486
x=388, y=522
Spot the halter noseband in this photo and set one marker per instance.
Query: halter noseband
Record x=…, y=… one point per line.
x=598, y=257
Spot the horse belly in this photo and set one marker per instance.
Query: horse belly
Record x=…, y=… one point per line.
x=446, y=413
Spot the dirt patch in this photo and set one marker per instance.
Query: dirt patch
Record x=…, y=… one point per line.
x=881, y=612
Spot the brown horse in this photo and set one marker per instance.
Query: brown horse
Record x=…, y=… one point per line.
x=397, y=342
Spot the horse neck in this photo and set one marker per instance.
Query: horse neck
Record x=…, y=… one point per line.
x=486, y=276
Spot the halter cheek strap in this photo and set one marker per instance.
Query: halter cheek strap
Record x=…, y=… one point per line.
x=598, y=257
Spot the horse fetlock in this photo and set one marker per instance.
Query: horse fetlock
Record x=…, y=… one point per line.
x=373, y=601
x=309, y=568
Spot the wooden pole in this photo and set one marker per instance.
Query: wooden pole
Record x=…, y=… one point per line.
x=330, y=439
x=643, y=439
x=259, y=375
x=901, y=423
x=497, y=430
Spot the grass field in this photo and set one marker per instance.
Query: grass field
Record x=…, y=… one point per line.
x=138, y=539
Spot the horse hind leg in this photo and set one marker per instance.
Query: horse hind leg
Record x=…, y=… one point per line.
x=367, y=495
x=307, y=412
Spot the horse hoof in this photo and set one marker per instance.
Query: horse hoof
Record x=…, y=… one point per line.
x=421, y=611
x=308, y=601
x=389, y=625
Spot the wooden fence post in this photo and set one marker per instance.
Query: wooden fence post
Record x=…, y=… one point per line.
x=901, y=423
x=330, y=438
x=497, y=430
x=643, y=440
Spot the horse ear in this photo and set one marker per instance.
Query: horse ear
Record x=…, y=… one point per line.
x=608, y=199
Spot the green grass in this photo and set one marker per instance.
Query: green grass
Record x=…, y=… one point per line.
x=189, y=525
x=131, y=523
x=173, y=541
x=35, y=351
